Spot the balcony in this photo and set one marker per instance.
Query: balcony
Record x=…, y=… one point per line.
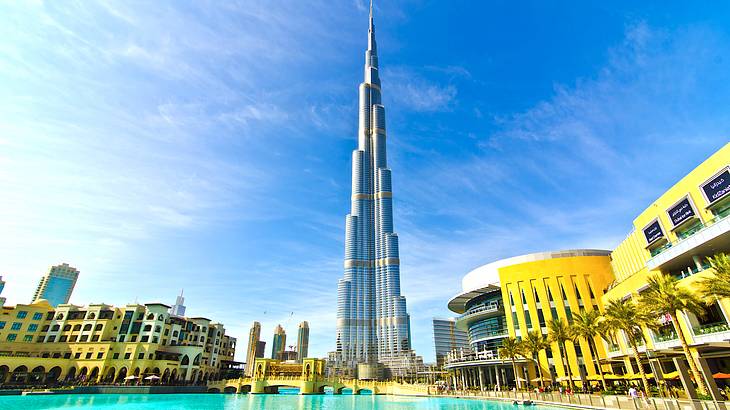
x=705, y=239
x=711, y=332
x=479, y=310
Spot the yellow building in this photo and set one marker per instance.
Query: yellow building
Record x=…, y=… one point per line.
x=675, y=235
x=510, y=297
x=105, y=344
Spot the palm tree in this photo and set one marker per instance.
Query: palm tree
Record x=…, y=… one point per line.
x=512, y=348
x=664, y=296
x=560, y=333
x=532, y=345
x=587, y=326
x=717, y=286
x=628, y=316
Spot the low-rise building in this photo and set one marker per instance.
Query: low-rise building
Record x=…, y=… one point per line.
x=99, y=343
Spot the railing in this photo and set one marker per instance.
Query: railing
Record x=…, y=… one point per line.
x=481, y=309
x=597, y=401
x=711, y=328
x=700, y=226
x=665, y=338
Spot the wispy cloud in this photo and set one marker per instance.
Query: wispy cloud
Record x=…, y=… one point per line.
x=407, y=88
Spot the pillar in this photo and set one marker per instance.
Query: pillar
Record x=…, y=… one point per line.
x=481, y=379
x=697, y=261
x=709, y=381
x=683, y=372
x=496, y=375
x=463, y=379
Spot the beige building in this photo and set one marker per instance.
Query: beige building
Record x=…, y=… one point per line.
x=100, y=343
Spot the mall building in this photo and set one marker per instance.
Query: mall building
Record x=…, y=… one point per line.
x=674, y=235
x=99, y=343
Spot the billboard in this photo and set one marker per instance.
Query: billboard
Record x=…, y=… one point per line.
x=681, y=212
x=717, y=187
x=653, y=232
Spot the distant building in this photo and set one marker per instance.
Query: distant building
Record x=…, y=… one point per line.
x=2, y=285
x=260, y=349
x=56, y=286
x=253, y=344
x=279, y=344
x=447, y=338
x=288, y=356
x=302, y=341
x=178, y=309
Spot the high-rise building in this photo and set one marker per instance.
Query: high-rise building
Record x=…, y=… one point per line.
x=260, y=349
x=56, y=286
x=372, y=321
x=178, y=309
x=253, y=343
x=2, y=285
x=448, y=338
x=302, y=341
x=279, y=344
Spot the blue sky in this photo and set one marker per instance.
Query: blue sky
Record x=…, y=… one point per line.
x=206, y=145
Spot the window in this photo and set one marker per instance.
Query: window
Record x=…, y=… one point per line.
x=73, y=338
x=144, y=339
x=59, y=316
x=45, y=328
x=16, y=326
x=147, y=328
x=127, y=355
x=115, y=356
x=67, y=328
x=51, y=339
x=67, y=355
x=84, y=338
x=121, y=338
x=140, y=356
x=11, y=337
x=32, y=327
x=37, y=316
x=55, y=328
x=87, y=327
x=91, y=316
x=88, y=355
x=98, y=327
x=22, y=314
x=77, y=327
x=2, y=325
x=63, y=338
x=95, y=338
x=100, y=355
x=155, y=339
x=77, y=355
x=40, y=339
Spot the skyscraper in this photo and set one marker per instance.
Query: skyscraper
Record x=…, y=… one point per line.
x=279, y=344
x=302, y=341
x=253, y=343
x=178, y=309
x=447, y=338
x=2, y=285
x=372, y=321
x=56, y=286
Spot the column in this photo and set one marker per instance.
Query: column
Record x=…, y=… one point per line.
x=481, y=379
x=689, y=388
x=496, y=375
x=709, y=381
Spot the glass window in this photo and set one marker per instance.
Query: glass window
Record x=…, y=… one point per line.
x=11, y=337
x=100, y=355
x=28, y=338
x=32, y=327
x=22, y=314
x=37, y=316
x=115, y=356
x=2, y=325
x=16, y=326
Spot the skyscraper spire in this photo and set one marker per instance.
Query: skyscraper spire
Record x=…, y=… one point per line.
x=372, y=322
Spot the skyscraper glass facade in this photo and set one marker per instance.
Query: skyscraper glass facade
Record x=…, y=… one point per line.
x=56, y=286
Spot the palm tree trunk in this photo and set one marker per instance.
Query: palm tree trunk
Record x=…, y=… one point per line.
x=567, y=366
x=514, y=370
x=594, y=352
x=690, y=360
x=637, y=358
x=539, y=371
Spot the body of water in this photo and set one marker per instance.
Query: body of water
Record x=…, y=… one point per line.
x=246, y=402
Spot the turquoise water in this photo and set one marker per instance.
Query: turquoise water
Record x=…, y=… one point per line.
x=246, y=402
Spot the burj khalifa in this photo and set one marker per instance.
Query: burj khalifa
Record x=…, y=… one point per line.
x=373, y=326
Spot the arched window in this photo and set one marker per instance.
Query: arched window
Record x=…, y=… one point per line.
x=185, y=361
x=87, y=327
x=151, y=316
x=147, y=328
x=59, y=316
x=174, y=334
x=196, y=362
x=91, y=316
x=161, y=318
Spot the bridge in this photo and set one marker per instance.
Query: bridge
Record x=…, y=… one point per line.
x=269, y=375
